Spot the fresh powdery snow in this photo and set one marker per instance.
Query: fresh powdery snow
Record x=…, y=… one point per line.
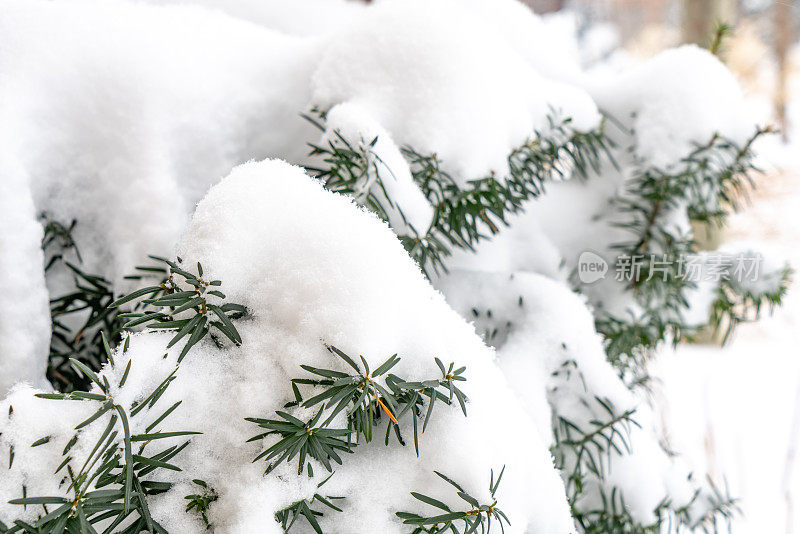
x=25, y=321
x=523, y=316
x=443, y=81
x=673, y=101
x=661, y=109
x=330, y=273
x=121, y=116
x=408, y=210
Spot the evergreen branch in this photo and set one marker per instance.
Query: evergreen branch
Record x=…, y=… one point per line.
x=613, y=516
x=737, y=303
x=722, y=30
x=288, y=516
x=173, y=300
x=200, y=502
x=90, y=299
x=720, y=507
x=630, y=339
x=477, y=515
x=59, y=237
x=708, y=183
x=350, y=168
x=581, y=452
x=466, y=214
x=715, y=507
x=363, y=400
x=110, y=484
x=463, y=213
x=303, y=439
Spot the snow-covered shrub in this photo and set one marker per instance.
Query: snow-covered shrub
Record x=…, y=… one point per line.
x=304, y=285
x=497, y=164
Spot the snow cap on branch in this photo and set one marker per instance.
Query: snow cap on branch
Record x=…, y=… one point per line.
x=439, y=78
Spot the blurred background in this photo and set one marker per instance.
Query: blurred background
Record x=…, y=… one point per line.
x=734, y=410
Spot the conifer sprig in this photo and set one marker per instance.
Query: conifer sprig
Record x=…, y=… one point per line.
x=173, y=300
x=467, y=213
x=301, y=439
x=201, y=502
x=583, y=447
x=736, y=303
x=57, y=240
x=709, y=510
x=110, y=485
x=445, y=519
x=287, y=517
x=582, y=450
x=365, y=400
x=91, y=296
x=351, y=168
x=722, y=31
x=361, y=393
x=614, y=516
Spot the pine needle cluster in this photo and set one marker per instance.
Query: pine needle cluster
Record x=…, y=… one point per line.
x=111, y=486
x=349, y=407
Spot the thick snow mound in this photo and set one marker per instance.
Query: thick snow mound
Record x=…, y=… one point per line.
x=125, y=133
x=312, y=268
x=674, y=101
x=443, y=80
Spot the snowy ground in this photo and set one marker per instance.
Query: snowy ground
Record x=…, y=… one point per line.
x=735, y=406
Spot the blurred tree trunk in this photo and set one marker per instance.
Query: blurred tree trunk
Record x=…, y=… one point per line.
x=700, y=18
x=783, y=40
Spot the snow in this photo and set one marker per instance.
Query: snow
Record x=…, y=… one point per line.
x=330, y=273
x=441, y=80
x=26, y=419
x=205, y=99
x=674, y=101
x=661, y=109
x=127, y=160
x=522, y=316
x=122, y=115
x=130, y=160
x=389, y=177
x=24, y=321
x=732, y=410
x=298, y=17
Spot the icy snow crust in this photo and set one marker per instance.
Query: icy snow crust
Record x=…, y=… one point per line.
x=123, y=115
x=306, y=285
